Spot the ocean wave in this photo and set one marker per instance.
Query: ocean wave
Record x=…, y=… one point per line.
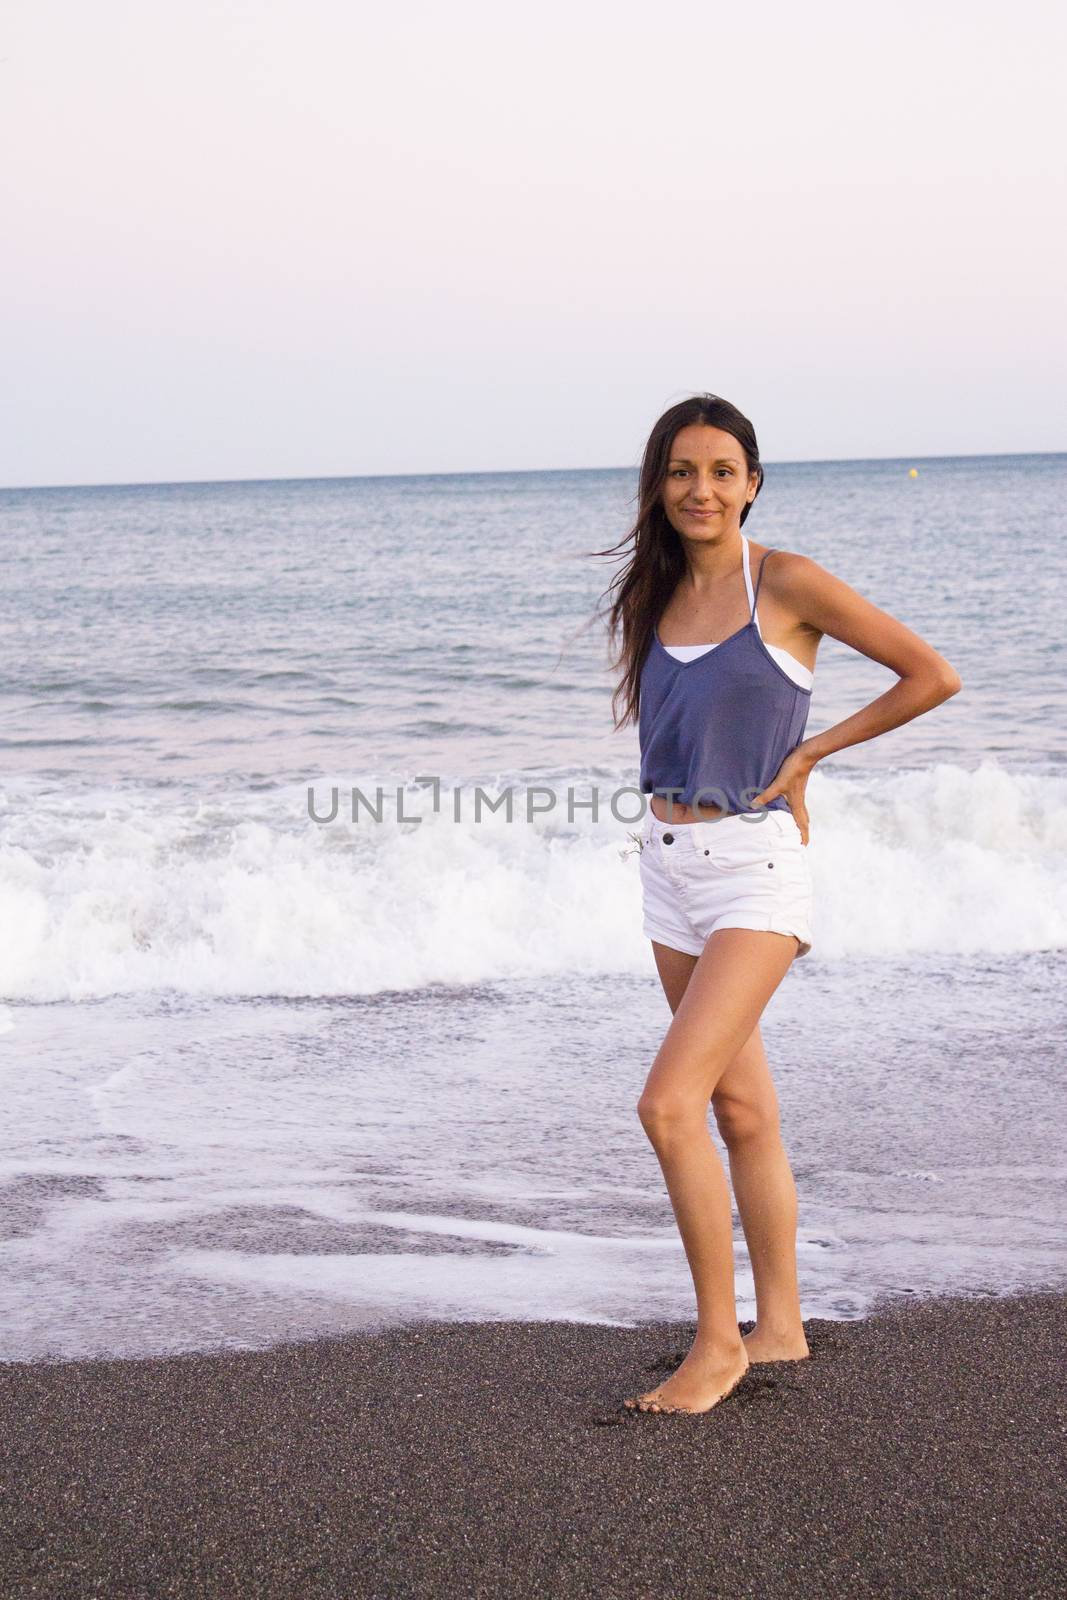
x=119, y=891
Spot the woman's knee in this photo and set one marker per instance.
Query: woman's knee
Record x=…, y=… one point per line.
x=745, y=1121
x=667, y=1117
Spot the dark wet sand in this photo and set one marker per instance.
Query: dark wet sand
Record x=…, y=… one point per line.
x=920, y=1452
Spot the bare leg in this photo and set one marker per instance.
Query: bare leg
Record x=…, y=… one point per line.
x=724, y=998
x=746, y=1111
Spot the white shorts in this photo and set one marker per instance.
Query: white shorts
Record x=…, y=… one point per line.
x=734, y=872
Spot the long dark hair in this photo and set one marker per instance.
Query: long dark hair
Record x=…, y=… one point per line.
x=641, y=589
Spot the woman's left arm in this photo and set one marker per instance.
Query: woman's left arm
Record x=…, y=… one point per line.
x=828, y=604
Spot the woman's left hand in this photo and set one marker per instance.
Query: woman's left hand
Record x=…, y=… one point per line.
x=791, y=780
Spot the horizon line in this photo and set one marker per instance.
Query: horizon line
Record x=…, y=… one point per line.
x=494, y=472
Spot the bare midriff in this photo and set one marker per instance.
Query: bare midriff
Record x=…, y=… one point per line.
x=679, y=813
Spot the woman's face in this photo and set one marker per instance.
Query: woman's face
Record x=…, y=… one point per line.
x=708, y=483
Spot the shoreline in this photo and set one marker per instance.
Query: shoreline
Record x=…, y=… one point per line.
x=919, y=1451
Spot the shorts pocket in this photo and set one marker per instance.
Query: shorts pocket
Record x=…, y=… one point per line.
x=755, y=849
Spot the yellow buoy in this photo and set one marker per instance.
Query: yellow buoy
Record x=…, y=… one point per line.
x=914, y=473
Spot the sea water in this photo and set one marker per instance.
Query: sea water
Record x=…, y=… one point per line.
x=267, y=1076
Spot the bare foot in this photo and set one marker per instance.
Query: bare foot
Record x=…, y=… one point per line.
x=776, y=1346
x=704, y=1378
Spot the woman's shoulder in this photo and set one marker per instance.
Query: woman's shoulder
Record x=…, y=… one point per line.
x=800, y=587
x=789, y=568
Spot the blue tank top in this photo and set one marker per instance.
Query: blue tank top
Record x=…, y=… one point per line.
x=714, y=731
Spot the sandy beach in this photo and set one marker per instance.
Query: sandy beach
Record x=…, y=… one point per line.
x=918, y=1452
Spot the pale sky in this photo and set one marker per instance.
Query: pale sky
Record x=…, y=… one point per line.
x=289, y=238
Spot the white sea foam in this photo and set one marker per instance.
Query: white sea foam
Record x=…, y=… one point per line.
x=126, y=893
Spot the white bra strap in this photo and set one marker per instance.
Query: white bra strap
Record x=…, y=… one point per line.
x=748, y=585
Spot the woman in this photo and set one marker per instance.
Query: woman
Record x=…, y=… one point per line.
x=719, y=638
